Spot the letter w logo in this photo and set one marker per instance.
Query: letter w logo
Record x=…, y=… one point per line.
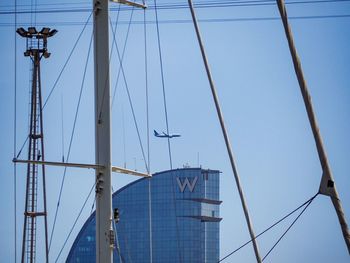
x=187, y=182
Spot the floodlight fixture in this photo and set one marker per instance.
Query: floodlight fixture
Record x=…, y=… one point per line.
x=22, y=32
x=52, y=32
x=36, y=40
x=45, y=31
x=32, y=30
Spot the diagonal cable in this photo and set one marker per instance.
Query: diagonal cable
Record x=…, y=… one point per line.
x=167, y=128
x=15, y=137
x=75, y=222
x=269, y=228
x=71, y=142
x=148, y=142
x=59, y=76
x=123, y=53
x=130, y=100
x=65, y=64
x=109, y=62
x=285, y=232
x=163, y=82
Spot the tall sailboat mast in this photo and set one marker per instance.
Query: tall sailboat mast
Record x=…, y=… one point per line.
x=104, y=230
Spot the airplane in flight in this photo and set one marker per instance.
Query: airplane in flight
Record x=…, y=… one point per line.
x=164, y=135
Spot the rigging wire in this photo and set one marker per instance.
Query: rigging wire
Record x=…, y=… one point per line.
x=110, y=57
x=15, y=136
x=67, y=60
x=71, y=140
x=58, y=78
x=80, y=4
x=172, y=6
x=122, y=70
x=123, y=52
x=129, y=98
x=167, y=128
x=163, y=83
x=124, y=141
x=126, y=38
x=75, y=221
x=148, y=140
x=270, y=227
x=62, y=128
x=285, y=232
x=147, y=90
x=209, y=20
x=22, y=147
x=93, y=205
x=117, y=247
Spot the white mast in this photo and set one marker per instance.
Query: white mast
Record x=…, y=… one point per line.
x=104, y=231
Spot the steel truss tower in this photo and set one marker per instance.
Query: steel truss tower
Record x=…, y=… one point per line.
x=36, y=43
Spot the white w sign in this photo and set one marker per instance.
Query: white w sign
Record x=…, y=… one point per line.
x=187, y=183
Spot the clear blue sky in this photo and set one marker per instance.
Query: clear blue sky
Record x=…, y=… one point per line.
x=262, y=105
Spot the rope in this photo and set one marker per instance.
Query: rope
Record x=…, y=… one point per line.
x=285, y=232
x=15, y=138
x=70, y=142
x=270, y=227
x=224, y=132
x=163, y=84
x=76, y=220
x=130, y=100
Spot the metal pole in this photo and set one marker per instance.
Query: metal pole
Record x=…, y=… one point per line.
x=223, y=128
x=32, y=113
x=104, y=230
x=40, y=104
x=327, y=186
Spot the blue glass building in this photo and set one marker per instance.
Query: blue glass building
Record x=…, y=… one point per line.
x=185, y=220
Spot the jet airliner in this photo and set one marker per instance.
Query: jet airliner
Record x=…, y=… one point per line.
x=164, y=135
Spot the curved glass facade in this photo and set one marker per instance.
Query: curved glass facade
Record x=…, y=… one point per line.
x=185, y=220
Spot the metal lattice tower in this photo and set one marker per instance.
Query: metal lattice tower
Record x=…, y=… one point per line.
x=36, y=48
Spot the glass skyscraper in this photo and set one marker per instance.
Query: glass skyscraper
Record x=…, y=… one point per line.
x=185, y=220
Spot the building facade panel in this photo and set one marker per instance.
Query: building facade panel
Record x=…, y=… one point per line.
x=185, y=220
